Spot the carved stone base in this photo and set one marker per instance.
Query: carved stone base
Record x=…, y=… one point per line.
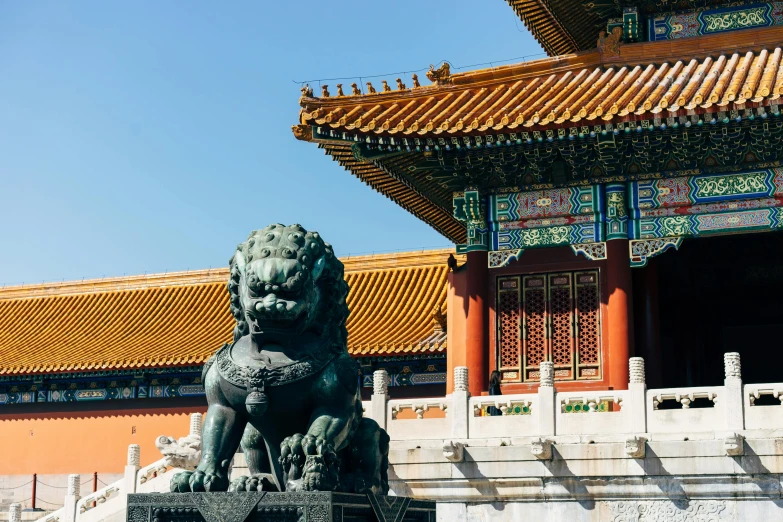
x=276, y=507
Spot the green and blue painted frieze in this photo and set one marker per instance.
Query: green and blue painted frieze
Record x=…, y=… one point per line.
x=707, y=204
x=711, y=20
x=167, y=383
x=545, y=218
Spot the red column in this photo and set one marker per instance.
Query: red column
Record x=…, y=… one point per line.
x=476, y=333
x=620, y=313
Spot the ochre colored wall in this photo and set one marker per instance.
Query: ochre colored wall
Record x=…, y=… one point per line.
x=456, y=317
x=85, y=441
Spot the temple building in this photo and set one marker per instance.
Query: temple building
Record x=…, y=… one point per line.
x=614, y=199
x=88, y=367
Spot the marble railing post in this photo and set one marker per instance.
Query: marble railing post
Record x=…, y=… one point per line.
x=733, y=403
x=15, y=513
x=380, y=395
x=132, y=467
x=546, y=399
x=637, y=391
x=195, y=425
x=459, y=409
x=72, y=496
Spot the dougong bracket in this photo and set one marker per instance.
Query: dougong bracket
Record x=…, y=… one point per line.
x=499, y=259
x=592, y=251
x=643, y=249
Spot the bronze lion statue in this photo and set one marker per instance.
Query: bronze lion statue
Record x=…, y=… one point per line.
x=286, y=389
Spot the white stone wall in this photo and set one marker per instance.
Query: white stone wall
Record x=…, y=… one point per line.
x=669, y=510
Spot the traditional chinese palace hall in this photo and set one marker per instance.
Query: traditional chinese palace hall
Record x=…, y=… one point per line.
x=88, y=367
x=621, y=197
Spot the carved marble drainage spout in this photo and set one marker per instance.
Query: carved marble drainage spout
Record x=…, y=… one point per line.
x=454, y=451
x=541, y=449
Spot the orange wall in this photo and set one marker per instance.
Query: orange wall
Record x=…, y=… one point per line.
x=85, y=441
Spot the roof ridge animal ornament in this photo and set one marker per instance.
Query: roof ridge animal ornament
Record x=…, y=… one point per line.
x=286, y=389
x=609, y=45
x=441, y=75
x=307, y=91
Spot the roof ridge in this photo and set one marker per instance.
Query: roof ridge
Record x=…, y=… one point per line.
x=362, y=263
x=640, y=53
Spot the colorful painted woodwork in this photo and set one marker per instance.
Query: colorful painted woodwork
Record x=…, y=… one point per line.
x=708, y=204
x=666, y=209
x=545, y=218
x=701, y=21
x=568, y=26
x=166, y=383
x=549, y=317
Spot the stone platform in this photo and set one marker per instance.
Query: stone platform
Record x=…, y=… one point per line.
x=276, y=507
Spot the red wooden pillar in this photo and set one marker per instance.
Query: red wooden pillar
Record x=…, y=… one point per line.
x=476, y=332
x=620, y=312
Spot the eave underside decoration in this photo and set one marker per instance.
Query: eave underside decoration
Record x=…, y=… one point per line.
x=401, y=193
x=568, y=26
x=561, y=27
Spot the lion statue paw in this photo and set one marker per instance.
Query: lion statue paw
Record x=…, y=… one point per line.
x=194, y=481
x=309, y=464
x=256, y=482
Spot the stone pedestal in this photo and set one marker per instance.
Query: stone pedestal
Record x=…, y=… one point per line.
x=276, y=507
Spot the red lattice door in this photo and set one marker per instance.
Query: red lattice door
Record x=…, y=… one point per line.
x=588, y=322
x=549, y=317
x=561, y=325
x=534, y=333
x=508, y=322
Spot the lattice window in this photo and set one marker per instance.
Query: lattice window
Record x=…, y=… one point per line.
x=534, y=335
x=552, y=317
x=561, y=325
x=588, y=307
x=509, y=341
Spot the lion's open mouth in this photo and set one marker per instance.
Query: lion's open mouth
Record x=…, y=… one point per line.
x=277, y=316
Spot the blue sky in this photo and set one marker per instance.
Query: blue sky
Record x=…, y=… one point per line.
x=154, y=136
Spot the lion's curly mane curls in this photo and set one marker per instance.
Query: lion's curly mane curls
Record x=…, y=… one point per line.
x=315, y=260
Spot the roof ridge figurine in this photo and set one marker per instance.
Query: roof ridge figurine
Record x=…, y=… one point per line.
x=441, y=75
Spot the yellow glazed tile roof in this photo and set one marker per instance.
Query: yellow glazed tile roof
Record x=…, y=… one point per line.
x=570, y=91
x=396, y=302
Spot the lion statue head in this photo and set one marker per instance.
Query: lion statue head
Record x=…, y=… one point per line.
x=287, y=281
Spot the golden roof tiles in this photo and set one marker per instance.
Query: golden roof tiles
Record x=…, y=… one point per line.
x=176, y=319
x=569, y=93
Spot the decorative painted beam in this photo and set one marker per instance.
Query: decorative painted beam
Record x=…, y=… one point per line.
x=592, y=251
x=470, y=208
x=642, y=250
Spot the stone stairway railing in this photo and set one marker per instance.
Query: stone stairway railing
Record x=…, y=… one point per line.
x=548, y=413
